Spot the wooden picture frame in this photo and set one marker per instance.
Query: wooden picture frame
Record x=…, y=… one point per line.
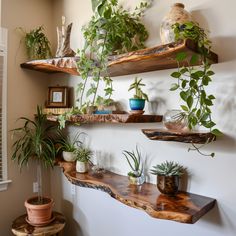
x=58, y=97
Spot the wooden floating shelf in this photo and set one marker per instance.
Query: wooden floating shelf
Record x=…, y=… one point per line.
x=184, y=137
x=184, y=207
x=110, y=118
x=145, y=60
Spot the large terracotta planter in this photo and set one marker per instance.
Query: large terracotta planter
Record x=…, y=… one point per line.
x=39, y=214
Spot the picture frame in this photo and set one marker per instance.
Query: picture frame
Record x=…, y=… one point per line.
x=58, y=96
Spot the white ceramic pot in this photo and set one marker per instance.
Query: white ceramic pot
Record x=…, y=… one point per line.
x=81, y=167
x=69, y=156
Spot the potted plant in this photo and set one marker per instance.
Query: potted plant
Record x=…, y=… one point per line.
x=136, y=175
x=83, y=156
x=36, y=43
x=34, y=142
x=168, y=175
x=137, y=103
x=102, y=40
x=192, y=81
x=68, y=145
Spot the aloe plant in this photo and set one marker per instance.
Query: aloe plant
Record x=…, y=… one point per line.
x=168, y=168
x=135, y=162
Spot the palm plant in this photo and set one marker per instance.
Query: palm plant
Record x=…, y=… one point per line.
x=34, y=142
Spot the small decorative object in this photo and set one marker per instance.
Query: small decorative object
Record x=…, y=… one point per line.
x=68, y=146
x=36, y=43
x=136, y=176
x=58, y=97
x=63, y=40
x=168, y=174
x=137, y=103
x=175, y=120
x=176, y=15
x=83, y=156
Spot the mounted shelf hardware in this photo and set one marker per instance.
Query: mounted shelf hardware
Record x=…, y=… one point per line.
x=177, y=136
x=184, y=207
x=110, y=118
x=144, y=60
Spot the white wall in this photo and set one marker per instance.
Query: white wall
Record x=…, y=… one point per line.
x=26, y=89
x=91, y=212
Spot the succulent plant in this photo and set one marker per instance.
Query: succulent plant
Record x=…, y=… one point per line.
x=168, y=168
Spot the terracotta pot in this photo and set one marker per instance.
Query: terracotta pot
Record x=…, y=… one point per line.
x=168, y=185
x=81, y=167
x=68, y=156
x=39, y=214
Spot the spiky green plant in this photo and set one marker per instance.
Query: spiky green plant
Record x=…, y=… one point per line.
x=136, y=86
x=83, y=154
x=168, y=168
x=135, y=162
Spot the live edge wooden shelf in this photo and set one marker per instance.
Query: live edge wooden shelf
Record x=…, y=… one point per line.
x=184, y=207
x=110, y=118
x=145, y=60
x=178, y=136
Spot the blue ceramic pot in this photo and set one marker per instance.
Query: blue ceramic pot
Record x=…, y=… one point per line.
x=136, y=104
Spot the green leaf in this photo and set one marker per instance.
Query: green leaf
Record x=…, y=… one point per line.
x=208, y=102
x=176, y=74
x=210, y=73
x=209, y=124
x=181, y=56
x=174, y=87
x=194, y=59
x=190, y=101
x=184, y=82
x=216, y=132
x=107, y=13
x=192, y=83
x=184, y=108
x=183, y=70
x=183, y=95
x=212, y=97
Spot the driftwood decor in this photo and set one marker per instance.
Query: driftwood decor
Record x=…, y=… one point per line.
x=184, y=207
x=145, y=60
x=177, y=136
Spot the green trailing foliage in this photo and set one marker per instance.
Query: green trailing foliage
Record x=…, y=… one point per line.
x=168, y=168
x=34, y=141
x=36, y=43
x=112, y=30
x=137, y=87
x=135, y=162
x=193, y=81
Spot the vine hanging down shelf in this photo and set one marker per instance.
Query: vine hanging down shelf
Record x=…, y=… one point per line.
x=184, y=207
x=110, y=118
x=144, y=60
x=178, y=136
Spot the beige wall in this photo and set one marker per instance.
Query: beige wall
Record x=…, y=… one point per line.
x=26, y=89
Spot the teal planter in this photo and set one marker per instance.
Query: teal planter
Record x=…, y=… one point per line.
x=136, y=104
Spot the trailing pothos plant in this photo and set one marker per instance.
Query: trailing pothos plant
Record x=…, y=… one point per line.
x=112, y=30
x=192, y=81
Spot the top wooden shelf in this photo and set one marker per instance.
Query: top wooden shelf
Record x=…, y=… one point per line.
x=145, y=60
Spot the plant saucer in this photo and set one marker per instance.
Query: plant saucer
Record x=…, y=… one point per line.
x=41, y=224
x=136, y=112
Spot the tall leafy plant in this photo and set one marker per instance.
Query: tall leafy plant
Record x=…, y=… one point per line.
x=192, y=81
x=112, y=30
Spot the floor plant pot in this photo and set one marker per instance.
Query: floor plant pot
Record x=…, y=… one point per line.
x=39, y=214
x=69, y=156
x=81, y=167
x=168, y=185
x=136, y=104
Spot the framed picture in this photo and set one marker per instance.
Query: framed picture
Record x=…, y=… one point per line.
x=58, y=97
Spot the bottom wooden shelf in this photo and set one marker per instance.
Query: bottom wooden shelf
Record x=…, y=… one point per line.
x=184, y=207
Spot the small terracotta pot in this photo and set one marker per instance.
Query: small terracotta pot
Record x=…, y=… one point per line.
x=39, y=214
x=168, y=184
